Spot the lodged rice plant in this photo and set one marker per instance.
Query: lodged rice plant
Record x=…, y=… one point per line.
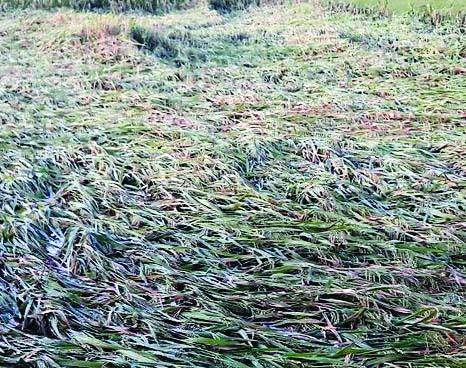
x=278, y=188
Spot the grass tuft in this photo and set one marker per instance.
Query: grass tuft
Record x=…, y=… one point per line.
x=178, y=46
x=226, y=6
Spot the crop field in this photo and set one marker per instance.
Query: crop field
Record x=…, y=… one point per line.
x=280, y=187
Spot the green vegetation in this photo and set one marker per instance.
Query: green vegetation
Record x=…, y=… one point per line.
x=152, y=6
x=226, y=6
x=283, y=187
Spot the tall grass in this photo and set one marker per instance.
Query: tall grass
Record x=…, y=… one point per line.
x=226, y=6
x=152, y=6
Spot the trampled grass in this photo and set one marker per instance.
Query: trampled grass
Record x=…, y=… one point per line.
x=283, y=187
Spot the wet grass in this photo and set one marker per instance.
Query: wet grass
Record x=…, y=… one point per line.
x=292, y=196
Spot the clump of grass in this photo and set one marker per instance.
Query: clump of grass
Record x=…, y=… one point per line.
x=102, y=41
x=178, y=46
x=344, y=6
x=436, y=17
x=226, y=6
x=155, y=41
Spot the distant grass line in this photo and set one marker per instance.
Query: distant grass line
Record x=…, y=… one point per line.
x=152, y=6
x=456, y=8
x=433, y=12
x=403, y=6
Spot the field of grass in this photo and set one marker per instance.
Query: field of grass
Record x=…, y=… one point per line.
x=278, y=188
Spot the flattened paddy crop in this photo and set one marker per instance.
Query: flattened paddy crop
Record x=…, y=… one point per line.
x=282, y=187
